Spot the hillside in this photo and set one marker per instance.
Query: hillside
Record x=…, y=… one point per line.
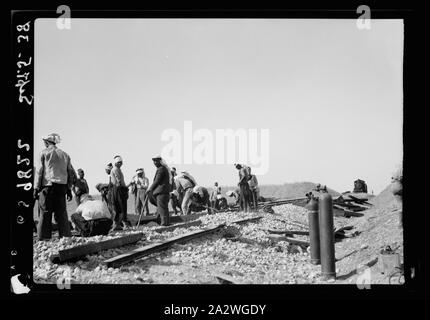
x=378, y=228
x=290, y=190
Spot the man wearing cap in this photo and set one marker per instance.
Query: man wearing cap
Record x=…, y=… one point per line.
x=141, y=184
x=54, y=179
x=119, y=194
x=80, y=187
x=160, y=189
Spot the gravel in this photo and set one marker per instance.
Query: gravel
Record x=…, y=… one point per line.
x=245, y=252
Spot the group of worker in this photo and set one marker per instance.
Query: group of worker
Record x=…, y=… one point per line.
x=56, y=179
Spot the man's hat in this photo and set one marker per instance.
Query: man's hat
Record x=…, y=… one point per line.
x=117, y=159
x=101, y=186
x=53, y=137
x=140, y=170
x=157, y=158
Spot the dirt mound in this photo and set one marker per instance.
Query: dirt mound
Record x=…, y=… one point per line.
x=291, y=190
x=385, y=199
x=378, y=228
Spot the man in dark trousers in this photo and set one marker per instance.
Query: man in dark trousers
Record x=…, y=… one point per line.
x=244, y=187
x=119, y=195
x=159, y=191
x=80, y=187
x=253, y=188
x=55, y=177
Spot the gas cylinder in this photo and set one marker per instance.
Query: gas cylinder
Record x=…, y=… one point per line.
x=314, y=233
x=326, y=229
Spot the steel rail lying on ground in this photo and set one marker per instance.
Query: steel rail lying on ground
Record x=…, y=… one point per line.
x=158, y=246
x=240, y=221
x=94, y=247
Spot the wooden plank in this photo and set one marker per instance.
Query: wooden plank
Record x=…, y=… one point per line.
x=344, y=228
x=179, y=225
x=94, y=247
x=241, y=221
x=158, y=246
x=278, y=237
x=347, y=213
x=365, y=207
x=225, y=278
x=357, y=199
x=289, y=232
x=282, y=201
x=297, y=241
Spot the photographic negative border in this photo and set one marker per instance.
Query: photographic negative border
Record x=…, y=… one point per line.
x=22, y=162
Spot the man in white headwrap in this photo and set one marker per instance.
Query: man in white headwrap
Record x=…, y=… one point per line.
x=139, y=185
x=54, y=179
x=119, y=194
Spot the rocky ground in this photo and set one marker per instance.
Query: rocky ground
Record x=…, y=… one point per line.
x=252, y=257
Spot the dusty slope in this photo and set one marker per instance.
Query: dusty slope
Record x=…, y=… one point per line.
x=378, y=228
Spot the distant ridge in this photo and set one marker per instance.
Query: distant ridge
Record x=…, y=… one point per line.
x=286, y=190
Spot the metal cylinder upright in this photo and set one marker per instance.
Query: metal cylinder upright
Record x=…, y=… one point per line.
x=326, y=229
x=314, y=231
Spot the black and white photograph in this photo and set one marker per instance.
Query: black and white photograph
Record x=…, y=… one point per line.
x=216, y=151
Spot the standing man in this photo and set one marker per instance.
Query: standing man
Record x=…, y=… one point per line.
x=185, y=183
x=159, y=191
x=214, y=196
x=244, y=187
x=108, y=191
x=80, y=187
x=55, y=177
x=253, y=187
x=141, y=183
x=119, y=194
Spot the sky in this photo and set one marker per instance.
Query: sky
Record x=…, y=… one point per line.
x=328, y=94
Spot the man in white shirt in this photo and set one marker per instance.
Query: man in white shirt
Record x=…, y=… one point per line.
x=185, y=184
x=92, y=217
x=139, y=185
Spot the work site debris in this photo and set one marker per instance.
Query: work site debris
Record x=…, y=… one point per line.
x=242, y=253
